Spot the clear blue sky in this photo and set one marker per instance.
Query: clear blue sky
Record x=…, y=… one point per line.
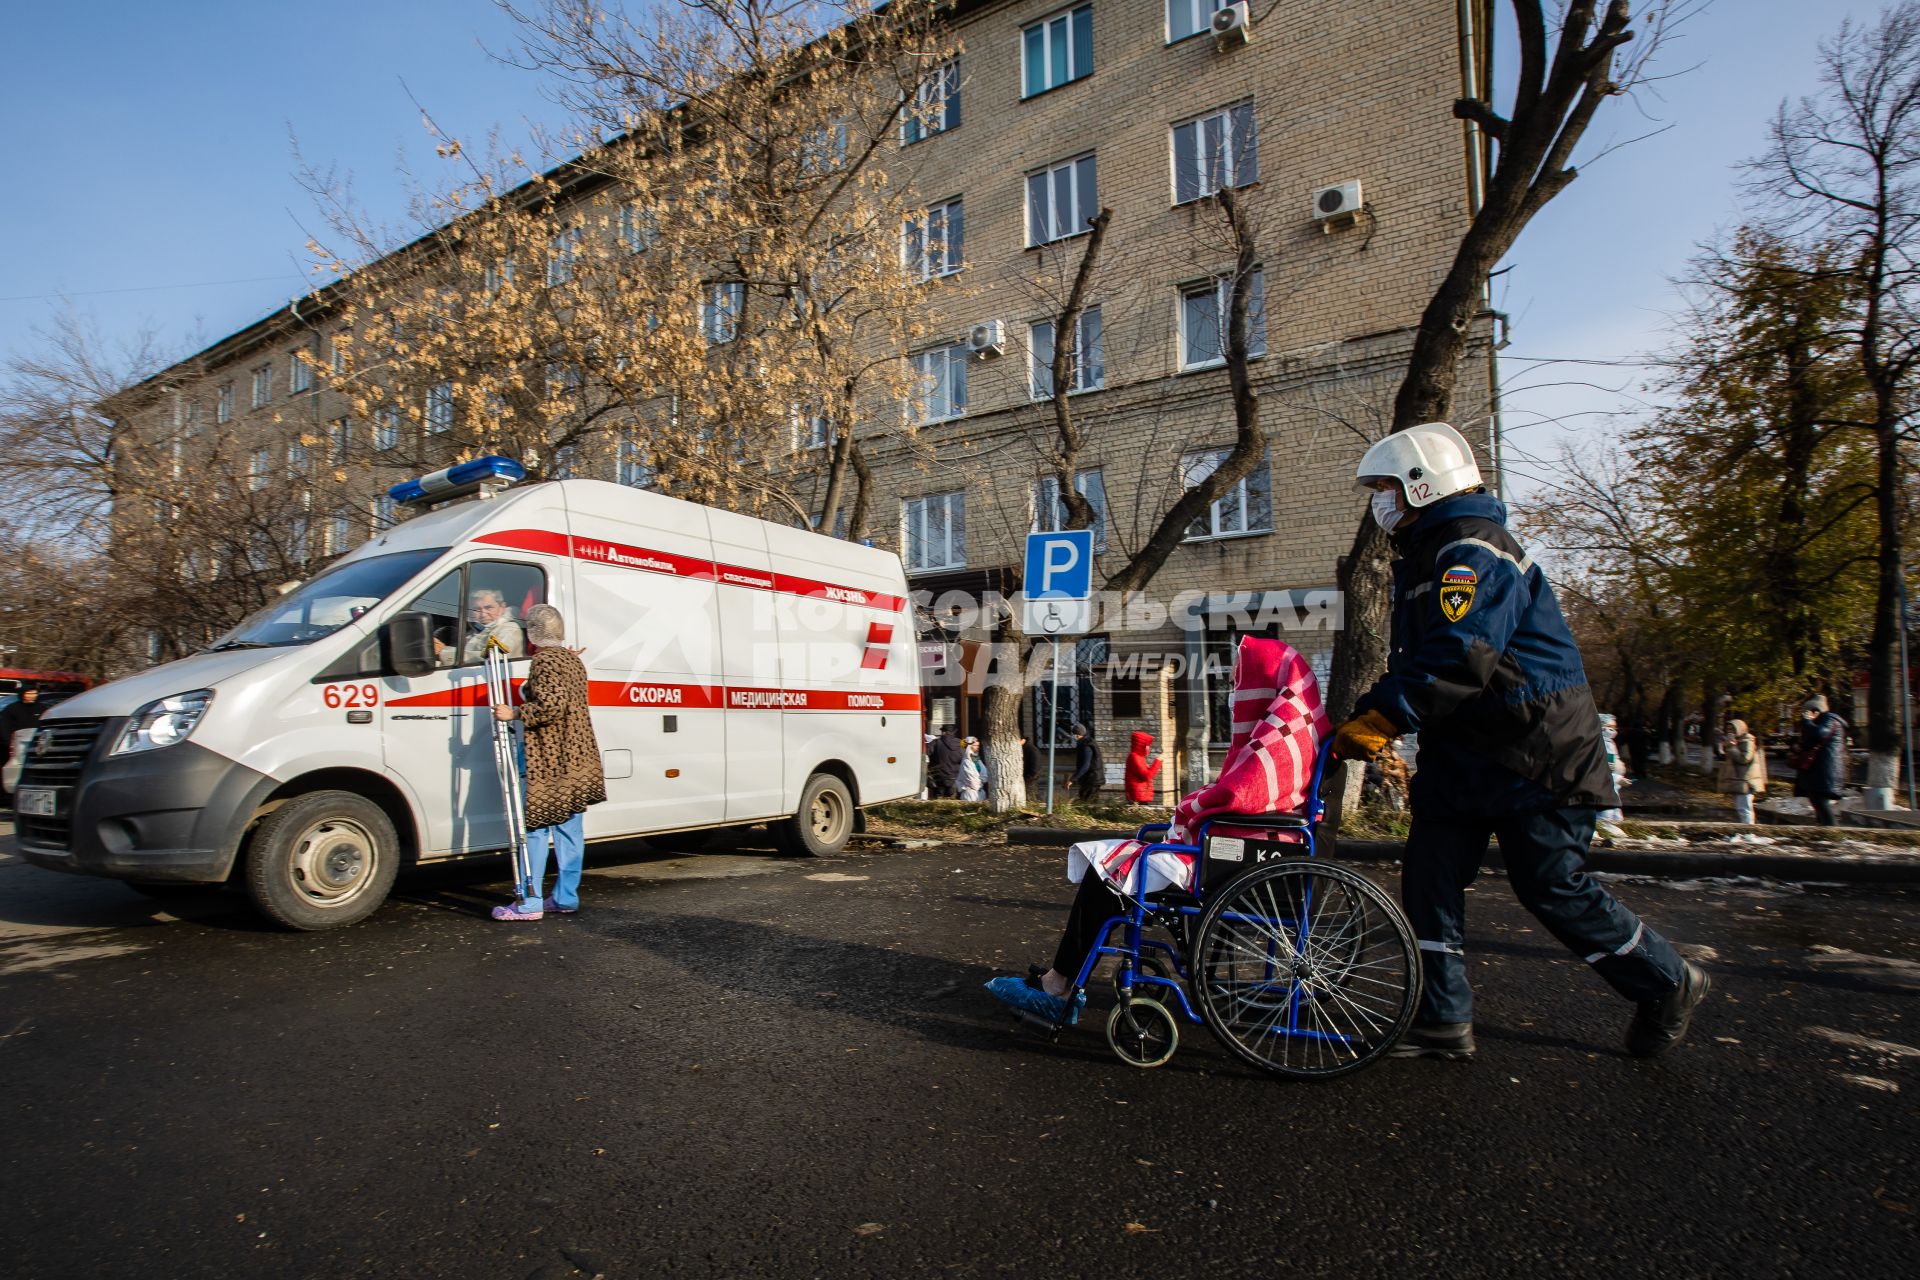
x=148, y=149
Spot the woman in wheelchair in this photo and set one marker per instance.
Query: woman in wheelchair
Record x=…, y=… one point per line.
x=1278, y=728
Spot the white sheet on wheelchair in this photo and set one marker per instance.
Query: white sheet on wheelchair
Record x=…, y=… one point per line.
x=1165, y=869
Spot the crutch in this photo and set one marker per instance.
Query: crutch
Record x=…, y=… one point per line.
x=499, y=694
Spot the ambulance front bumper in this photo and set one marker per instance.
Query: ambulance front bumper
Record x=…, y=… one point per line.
x=175, y=814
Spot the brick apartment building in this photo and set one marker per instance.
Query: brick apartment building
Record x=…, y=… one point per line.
x=1049, y=113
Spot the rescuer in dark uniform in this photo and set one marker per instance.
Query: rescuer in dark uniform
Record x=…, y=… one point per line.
x=1484, y=668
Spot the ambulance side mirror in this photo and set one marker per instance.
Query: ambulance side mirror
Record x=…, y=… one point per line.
x=409, y=644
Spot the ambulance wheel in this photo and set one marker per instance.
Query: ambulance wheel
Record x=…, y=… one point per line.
x=824, y=822
x=322, y=860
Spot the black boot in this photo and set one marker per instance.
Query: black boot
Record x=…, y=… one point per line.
x=1450, y=1040
x=1659, y=1023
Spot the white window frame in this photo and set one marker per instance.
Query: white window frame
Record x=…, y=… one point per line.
x=1046, y=221
x=935, y=98
x=263, y=385
x=382, y=513
x=438, y=414
x=953, y=549
x=944, y=369
x=631, y=466
x=339, y=439
x=1222, y=287
x=257, y=467
x=812, y=429
x=1088, y=375
x=497, y=276
x=386, y=428
x=1047, y=514
x=298, y=459
x=1201, y=12
x=721, y=309
x=561, y=252
x=1046, y=28
x=1239, y=162
x=337, y=352
x=1197, y=466
x=223, y=404
x=638, y=228
x=339, y=533
x=917, y=235
x=299, y=375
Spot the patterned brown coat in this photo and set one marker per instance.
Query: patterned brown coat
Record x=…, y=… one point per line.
x=563, y=758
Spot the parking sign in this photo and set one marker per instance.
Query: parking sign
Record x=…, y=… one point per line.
x=1059, y=581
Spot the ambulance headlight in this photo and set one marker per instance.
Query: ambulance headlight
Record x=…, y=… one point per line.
x=163, y=723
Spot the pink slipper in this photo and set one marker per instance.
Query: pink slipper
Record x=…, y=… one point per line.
x=512, y=911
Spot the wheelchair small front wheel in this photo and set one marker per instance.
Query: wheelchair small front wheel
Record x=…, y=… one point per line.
x=1143, y=1032
x=1150, y=967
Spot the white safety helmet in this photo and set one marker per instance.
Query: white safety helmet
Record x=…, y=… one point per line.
x=1431, y=461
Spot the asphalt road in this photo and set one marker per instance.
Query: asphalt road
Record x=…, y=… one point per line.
x=742, y=1065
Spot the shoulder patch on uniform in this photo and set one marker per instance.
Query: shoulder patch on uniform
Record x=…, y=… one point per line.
x=1456, y=591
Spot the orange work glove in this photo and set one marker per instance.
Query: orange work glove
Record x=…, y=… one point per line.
x=1364, y=737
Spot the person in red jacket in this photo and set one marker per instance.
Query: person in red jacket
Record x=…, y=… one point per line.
x=1139, y=772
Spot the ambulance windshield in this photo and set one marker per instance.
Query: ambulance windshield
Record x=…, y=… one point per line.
x=329, y=602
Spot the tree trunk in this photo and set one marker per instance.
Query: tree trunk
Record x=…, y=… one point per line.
x=1006, y=785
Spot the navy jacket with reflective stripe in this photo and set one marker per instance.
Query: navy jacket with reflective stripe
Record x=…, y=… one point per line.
x=1484, y=669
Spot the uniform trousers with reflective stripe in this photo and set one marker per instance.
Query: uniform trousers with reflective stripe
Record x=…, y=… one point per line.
x=1545, y=856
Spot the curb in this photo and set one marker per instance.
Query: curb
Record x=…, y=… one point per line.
x=1684, y=864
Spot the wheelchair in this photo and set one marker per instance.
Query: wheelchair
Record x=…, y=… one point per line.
x=1302, y=968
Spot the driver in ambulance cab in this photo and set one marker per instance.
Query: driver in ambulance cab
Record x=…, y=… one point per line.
x=488, y=617
x=1483, y=668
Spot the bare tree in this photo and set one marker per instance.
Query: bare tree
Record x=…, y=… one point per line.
x=1563, y=79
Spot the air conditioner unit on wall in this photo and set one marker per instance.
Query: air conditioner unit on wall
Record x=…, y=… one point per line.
x=1340, y=201
x=1232, y=25
x=988, y=338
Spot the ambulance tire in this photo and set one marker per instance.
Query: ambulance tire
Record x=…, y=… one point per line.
x=322, y=860
x=824, y=822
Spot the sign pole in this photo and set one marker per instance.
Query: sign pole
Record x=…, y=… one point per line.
x=1053, y=715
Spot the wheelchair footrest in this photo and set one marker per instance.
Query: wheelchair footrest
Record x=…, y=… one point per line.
x=1038, y=1023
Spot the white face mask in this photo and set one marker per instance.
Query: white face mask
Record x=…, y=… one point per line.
x=1386, y=509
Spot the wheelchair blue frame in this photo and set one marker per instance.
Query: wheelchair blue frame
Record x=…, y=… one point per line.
x=1130, y=977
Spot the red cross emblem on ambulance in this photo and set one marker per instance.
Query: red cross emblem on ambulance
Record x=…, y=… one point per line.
x=879, y=636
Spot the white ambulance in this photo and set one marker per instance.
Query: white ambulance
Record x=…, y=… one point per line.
x=741, y=672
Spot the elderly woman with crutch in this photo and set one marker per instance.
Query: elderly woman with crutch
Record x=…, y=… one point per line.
x=563, y=766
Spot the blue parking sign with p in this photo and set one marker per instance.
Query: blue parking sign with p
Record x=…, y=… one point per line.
x=1060, y=565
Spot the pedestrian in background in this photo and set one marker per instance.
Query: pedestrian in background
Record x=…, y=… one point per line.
x=1820, y=760
x=563, y=766
x=971, y=779
x=944, y=758
x=22, y=713
x=1086, y=777
x=1743, y=770
x=1141, y=770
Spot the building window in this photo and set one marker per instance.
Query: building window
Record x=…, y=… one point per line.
x=1076, y=697
x=1246, y=506
x=936, y=104
x=824, y=149
x=299, y=374
x=1057, y=50
x=262, y=386
x=257, y=468
x=633, y=468
x=720, y=312
x=339, y=439
x=297, y=540
x=639, y=229
x=1217, y=150
x=341, y=341
x=933, y=529
x=177, y=458
x=561, y=252
x=339, y=533
x=153, y=646
x=811, y=428
x=563, y=462
x=934, y=244
x=439, y=408
x=386, y=427
x=1203, y=321
x=497, y=277
x=1089, y=356
x=1124, y=693
x=1191, y=17
x=1050, y=514
x=223, y=406
x=297, y=459
x=1061, y=200
x=383, y=512
x=940, y=384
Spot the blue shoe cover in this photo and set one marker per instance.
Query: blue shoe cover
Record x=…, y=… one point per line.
x=1025, y=994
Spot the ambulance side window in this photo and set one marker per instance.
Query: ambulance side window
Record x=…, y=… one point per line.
x=441, y=602
x=499, y=593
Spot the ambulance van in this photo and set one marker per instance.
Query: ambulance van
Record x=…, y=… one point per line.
x=741, y=672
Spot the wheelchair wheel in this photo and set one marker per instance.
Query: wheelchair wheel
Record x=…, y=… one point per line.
x=1143, y=1032
x=1152, y=967
x=1306, y=969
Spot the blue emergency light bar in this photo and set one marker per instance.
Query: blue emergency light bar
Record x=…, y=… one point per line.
x=455, y=481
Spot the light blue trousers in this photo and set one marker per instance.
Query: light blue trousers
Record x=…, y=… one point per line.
x=569, y=846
